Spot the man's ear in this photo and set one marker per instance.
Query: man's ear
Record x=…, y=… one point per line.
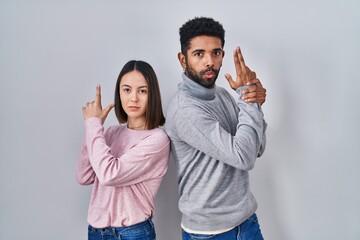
x=182, y=60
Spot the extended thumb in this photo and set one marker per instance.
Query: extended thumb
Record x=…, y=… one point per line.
x=230, y=80
x=108, y=108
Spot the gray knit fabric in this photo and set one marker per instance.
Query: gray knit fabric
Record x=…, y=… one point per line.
x=214, y=142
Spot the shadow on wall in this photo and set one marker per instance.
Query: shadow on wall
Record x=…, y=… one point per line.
x=167, y=218
x=272, y=172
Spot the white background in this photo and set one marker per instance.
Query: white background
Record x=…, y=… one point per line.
x=306, y=53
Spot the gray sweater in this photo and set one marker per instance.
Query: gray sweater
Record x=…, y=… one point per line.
x=214, y=142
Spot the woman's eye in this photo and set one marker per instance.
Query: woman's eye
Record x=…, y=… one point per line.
x=142, y=91
x=127, y=90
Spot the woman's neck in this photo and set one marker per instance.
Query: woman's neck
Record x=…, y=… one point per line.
x=136, y=124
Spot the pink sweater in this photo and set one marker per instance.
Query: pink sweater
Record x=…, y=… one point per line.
x=126, y=167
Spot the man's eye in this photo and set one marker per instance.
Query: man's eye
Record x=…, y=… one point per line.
x=198, y=54
x=217, y=53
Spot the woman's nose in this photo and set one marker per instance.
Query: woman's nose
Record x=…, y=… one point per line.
x=134, y=97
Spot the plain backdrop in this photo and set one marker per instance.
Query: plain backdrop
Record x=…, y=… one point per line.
x=306, y=53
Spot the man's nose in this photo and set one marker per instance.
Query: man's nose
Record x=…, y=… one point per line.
x=209, y=61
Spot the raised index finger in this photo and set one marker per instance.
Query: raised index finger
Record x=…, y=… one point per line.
x=98, y=94
x=241, y=59
x=237, y=63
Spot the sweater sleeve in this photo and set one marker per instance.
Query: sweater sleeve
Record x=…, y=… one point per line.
x=203, y=131
x=84, y=171
x=146, y=160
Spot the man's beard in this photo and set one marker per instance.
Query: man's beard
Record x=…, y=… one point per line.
x=198, y=78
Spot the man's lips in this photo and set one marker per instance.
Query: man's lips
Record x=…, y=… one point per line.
x=209, y=74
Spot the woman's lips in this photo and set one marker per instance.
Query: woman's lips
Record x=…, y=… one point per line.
x=133, y=108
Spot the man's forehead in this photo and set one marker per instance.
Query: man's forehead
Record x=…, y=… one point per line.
x=205, y=43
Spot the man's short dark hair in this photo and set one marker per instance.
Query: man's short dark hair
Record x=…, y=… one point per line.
x=200, y=26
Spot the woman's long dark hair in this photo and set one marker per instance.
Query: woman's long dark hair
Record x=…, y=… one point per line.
x=154, y=113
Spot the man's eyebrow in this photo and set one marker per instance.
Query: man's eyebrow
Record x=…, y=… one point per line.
x=198, y=50
x=202, y=50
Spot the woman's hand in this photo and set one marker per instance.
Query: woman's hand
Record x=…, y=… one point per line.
x=94, y=108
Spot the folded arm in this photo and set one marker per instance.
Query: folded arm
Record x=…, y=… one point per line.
x=144, y=161
x=206, y=134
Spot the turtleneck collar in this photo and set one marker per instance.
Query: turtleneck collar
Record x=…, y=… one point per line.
x=196, y=90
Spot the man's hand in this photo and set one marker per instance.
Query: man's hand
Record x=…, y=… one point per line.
x=246, y=77
x=94, y=108
x=255, y=93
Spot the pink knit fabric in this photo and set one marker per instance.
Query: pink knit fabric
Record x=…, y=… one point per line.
x=126, y=167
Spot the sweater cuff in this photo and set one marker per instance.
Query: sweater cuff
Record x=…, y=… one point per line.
x=93, y=121
x=240, y=89
x=93, y=128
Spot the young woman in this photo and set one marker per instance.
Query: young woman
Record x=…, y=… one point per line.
x=127, y=162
